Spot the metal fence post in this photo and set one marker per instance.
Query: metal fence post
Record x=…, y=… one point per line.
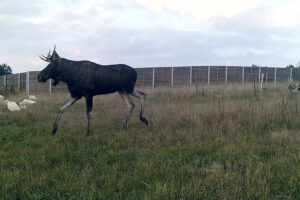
x=50, y=85
x=4, y=83
x=259, y=74
x=208, y=75
x=27, y=82
x=172, y=76
x=226, y=74
x=291, y=73
x=153, y=77
x=243, y=74
x=275, y=74
x=267, y=74
x=19, y=81
x=191, y=72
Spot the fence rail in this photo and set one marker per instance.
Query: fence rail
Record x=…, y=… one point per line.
x=164, y=76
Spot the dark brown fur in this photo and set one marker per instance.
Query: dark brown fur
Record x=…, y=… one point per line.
x=87, y=79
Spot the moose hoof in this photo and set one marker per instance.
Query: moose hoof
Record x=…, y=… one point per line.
x=54, y=131
x=88, y=133
x=146, y=122
x=143, y=119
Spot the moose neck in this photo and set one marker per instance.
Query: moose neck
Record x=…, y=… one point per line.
x=66, y=73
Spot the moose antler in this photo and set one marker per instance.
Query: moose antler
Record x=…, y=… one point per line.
x=48, y=58
x=44, y=58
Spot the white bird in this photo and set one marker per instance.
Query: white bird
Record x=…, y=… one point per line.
x=32, y=98
x=12, y=106
x=23, y=107
x=2, y=100
x=27, y=102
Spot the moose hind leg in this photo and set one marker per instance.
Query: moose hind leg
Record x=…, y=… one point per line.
x=89, y=107
x=142, y=96
x=125, y=97
x=66, y=105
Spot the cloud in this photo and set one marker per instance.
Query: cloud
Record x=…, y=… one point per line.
x=238, y=51
x=284, y=14
x=200, y=9
x=20, y=7
x=151, y=33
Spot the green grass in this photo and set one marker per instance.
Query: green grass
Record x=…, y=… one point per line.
x=221, y=143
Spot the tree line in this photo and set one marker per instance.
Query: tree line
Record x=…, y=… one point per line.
x=5, y=69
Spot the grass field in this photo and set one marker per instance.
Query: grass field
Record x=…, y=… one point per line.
x=224, y=142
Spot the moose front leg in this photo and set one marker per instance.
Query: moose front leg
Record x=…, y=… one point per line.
x=89, y=107
x=66, y=105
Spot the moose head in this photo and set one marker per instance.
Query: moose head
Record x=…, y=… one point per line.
x=53, y=68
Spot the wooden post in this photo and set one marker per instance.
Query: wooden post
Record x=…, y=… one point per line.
x=261, y=83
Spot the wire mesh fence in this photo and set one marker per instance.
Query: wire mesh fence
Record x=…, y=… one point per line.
x=164, y=76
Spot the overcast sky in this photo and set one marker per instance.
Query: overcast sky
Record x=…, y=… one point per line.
x=146, y=33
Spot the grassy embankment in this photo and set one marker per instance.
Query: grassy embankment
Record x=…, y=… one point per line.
x=223, y=143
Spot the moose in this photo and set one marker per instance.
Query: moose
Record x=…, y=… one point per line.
x=87, y=79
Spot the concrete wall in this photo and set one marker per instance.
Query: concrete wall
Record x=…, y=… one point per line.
x=164, y=76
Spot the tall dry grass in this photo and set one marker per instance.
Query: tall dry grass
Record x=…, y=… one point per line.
x=220, y=142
